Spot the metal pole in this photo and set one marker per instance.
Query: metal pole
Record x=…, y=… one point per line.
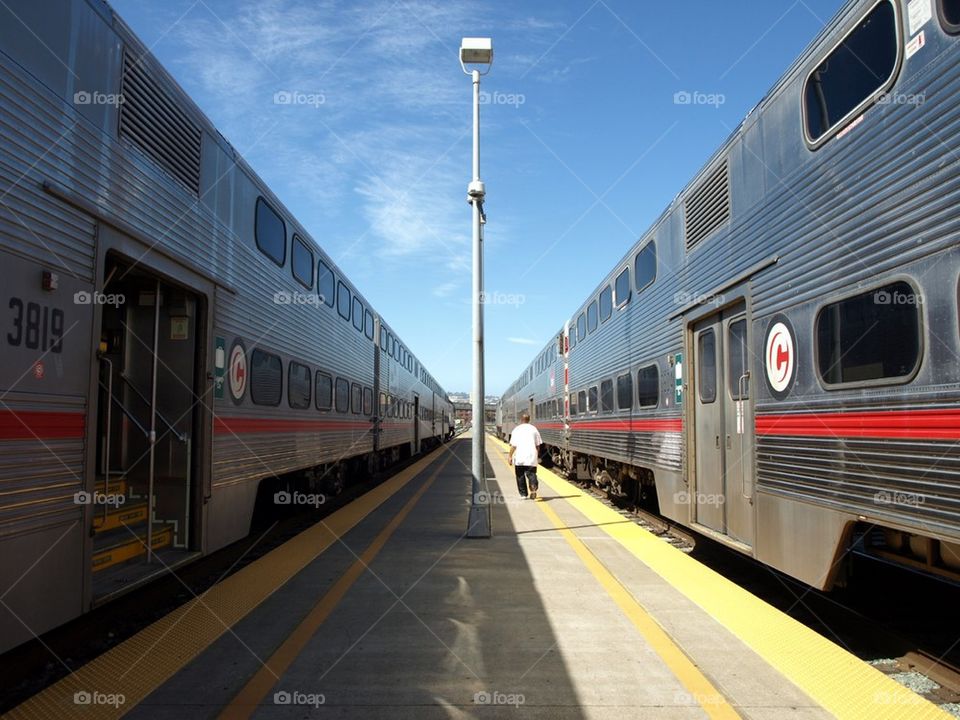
x=151, y=485
x=479, y=523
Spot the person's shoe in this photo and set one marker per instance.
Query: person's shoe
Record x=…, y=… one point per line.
x=523, y=497
x=533, y=495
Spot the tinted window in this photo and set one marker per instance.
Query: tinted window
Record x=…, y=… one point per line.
x=298, y=384
x=356, y=398
x=592, y=396
x=325, y=283
x=266, y=378
x=358, y=314
x=873, y=336
x=648, y=386
x=645, y=266
x=582, y=401
x=606, y=303
x=625, y=392
x=592, y=316
x=383, y=404
x=737, y=344
x=368, y=324
x=324, y=391
x=950, y=15
x=301, y=261
x=707, y=355
x=857, y=68
x=343, y=395
x=572, y=336
x=573, y=403
x=606, y=396
x=270, y=232
x=581, y=327
x=622, y=286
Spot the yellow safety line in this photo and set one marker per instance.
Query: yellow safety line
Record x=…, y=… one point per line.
x=253, y=692
x=142, y=663
x=700, y=688
x=842, y=683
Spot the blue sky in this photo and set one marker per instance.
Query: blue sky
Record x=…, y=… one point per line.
x=582, y=143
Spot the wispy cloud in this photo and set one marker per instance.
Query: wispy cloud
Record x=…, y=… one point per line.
x=521, y=341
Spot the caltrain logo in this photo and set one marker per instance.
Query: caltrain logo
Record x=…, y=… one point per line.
x=237, y=371
x=780, y=356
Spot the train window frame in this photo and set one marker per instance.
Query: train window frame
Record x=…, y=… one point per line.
x=327, y=298
x=625, y=389
x=871, y=98
x=356, y=398
x=368, y=328
x=733, y=379
x=883, y=381
x=367, y=401
x=318, y=376
x=254, y=391
x=619, y=300
x=656, y=385
x=605, y=303
x=345, y=384
x=582, y=327
x=573, y=404
x=262, y=203
x=649, y=248
x=294, y=244
x=707, y=399
x=951, y=28
x=290, y=372
x=592, y=312
x=571, y=337
x=593, y=398
x=383, y=405
x=343, y=290
x=606, y=396
x=582, y=402
x=357, y=314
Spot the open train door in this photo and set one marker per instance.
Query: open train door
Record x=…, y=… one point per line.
x=723, y=430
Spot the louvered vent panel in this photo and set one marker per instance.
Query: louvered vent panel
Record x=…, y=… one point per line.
x=708, y=207
x=152, y=120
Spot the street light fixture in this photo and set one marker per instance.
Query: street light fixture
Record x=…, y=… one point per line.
x=477, y=52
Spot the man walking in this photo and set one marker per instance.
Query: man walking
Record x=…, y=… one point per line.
x=525, y=445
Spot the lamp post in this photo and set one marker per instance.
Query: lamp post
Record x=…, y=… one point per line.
x=477, y=52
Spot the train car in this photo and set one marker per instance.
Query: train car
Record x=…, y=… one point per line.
x=178, y=351
x=775, y=362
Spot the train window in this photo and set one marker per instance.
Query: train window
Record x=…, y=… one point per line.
x=324, y=391
x=572, y=338
x=737, y=347
x=343, y=396
x=606, y=396
x=871, y=336
x=325, y=283
x=383, y=339
x=266, y=378
x=592, y=397
x=592, y=316
x=645, y=266
x=707, y=357
x=343, y=300
x=368, y=324
x=582, y=401
x=573, y=403
x=358, y=314
x=622, y=286
x=625, y=392
x=853, y=73
x=383, y=404
x=301, y=262
x=581, y=327
x=648, y=386
x=298, y=384
x=356, y=398
x=270, y=232
x=949, y=11
x=606, y=303
x=367, y=401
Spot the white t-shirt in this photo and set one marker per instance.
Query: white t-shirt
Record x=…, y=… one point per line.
x=525, y=439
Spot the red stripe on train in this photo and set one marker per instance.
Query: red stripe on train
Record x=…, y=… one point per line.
x=241, y=425
x=919, y=424
x=33, y=424
x=636, y=425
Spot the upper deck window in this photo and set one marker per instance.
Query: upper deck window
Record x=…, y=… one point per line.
x=343, y=300
x=606, y=303
x=949, y=11
x=270, y=232
x=301, y=261
x=645, y=266
x=592, y=316
x=623, y=287
x=325, y=282
x=853, y=74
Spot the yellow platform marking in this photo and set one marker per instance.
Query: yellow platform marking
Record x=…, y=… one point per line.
x=142, y=663
x=700, y=688
x=252, y=694
x=842, y=683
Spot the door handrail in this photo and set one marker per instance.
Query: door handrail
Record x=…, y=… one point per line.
x=181, y=437
x=125, y=410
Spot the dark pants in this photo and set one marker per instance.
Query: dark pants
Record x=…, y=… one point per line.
x=526, y=477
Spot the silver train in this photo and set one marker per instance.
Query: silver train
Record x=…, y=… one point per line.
x=776, y=362
x=178, y=352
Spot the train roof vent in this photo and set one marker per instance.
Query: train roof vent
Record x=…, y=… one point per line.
x=153, y=121
x=708, y=207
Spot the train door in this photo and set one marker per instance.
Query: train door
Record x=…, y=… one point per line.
x=416, y=424
x=151, y=341
x=723, y=425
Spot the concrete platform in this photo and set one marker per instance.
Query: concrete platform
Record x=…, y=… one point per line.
x=386, y=610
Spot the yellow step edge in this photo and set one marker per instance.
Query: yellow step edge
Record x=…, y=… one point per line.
x=162, y=538
x=840, y=682
x=119, y=518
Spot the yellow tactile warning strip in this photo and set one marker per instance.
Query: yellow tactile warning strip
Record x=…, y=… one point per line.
x=115, y=682
x=843, y=684
x=252, y=694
